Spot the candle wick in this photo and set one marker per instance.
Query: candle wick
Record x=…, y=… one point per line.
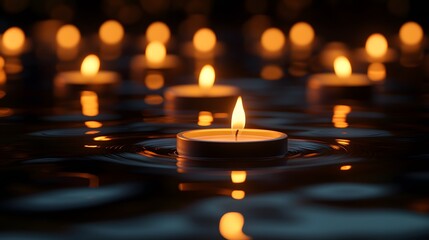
x=236, y=134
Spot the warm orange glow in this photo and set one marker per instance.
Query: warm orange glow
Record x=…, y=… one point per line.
x=344, y=142
x=376, y=71
x=345, y=167
x=342, y=67
x=411, y=33
x=158, y=31
x=271, y=72
x=273, y=39
x=102, y=138
x=238, y=120
x=91, y=146
x=340, y=116
x=238, y=176
x=205, y=118
x=204, y=40
x=89, y=102
x=2, y=62
x=207, y=77
x=155, y=52
x=93, y=124
x=68, y=36
x=13, y=39
x=376, y=45
x=231, y=226
x=154, y=81
x=90, y=66
x=111, y=32
x=92, y=132
x=238, y=194
x=301, y=34
x=153, y=99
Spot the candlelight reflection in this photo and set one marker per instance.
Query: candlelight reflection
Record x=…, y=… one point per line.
x=340, y=116
x=159, y=32
x=376, y=45
x=153, y=99
x=102, y=138
x=204, y=40
x=271, y=72
x=342, y=67
x=231, y=226
x=13, y=41
x=273, y=40
x=238, y=194
x=344, y=142
x=111, y=32
x=93, y=124
x=154, y=81
x=301, y=34
x=207, y=77
x=376, y=71
x=238, y=176
x=90, y=65
x=205, y=118
x=345, y=167
x=155, y=52
x=68, y=36
x=89, y=102
x=2, y=76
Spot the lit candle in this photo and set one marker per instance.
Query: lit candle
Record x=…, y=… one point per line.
x=376, y=50
x=155, y=58
x=272, y=43
x=13, y=42
x=234, y=142
x=341, y=85
x=88, y=78
x=204, y=45
x=204, y=96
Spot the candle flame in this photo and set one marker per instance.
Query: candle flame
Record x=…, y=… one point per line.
x=90, y=65
x=68, y=36
x=238, y=120
x=204, y=40
x=342, y=67
x=301, y=34
x=155, y=52
x=273, y=39
x=158, y=31
x=231, y=226
x=207, y=77
x=411, y=33
x=376, y=45
x=13, y=39
x=111, y=32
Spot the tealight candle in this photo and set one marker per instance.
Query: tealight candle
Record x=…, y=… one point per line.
x=342, y=84
x=376, y=50
x=88, y=78
x=236, y=142
x=155, y=57
x=204, y=45
x=204, y=96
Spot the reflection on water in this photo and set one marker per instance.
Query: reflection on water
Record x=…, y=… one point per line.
x=231, y=226
x=339, y=119
x=238, y=176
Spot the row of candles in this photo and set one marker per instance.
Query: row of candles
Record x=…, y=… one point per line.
x=234, y=142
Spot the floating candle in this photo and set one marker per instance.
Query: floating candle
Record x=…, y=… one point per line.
x=155, y=58
x=236, y=142
x=205, y=96
x=89, y=78
x=342, y=84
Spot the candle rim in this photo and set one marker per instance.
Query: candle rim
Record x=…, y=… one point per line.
x=229, y=131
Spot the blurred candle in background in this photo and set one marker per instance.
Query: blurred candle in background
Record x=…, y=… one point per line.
x=111, y=34
x=68, y=41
